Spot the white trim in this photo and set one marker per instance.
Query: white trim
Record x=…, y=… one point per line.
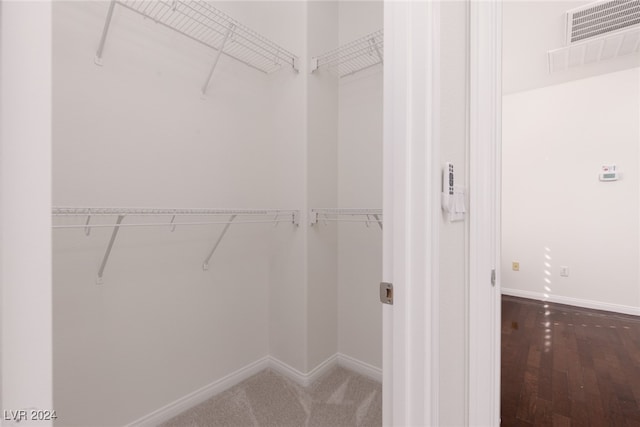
x=26, y=369
x=388, y=217
x=303, y=379
x=485, y=38
x=194, y=398
x=596, y=305
x=411, y=212
x=360, y=367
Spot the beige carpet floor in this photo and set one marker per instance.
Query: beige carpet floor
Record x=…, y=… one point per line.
x=339, y=398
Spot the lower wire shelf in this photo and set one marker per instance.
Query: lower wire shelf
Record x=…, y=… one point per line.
x=169, y=216
x=364, y=215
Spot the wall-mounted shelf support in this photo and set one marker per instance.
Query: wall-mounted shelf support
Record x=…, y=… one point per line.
x=205, y=264
x=105, y=30
x=87, y=229
x=376, y=48
x=378, y=220
x=215, y=61
x=114, y=234
x=346, y=215
x=236, y=216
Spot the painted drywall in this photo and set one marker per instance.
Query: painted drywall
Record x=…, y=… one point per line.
x=137, y=132
x=453, y=248
x=555, y=210
x=288, y=146
x=530, y=30
x=25, y=205
x=360, y=186
x=322, y=187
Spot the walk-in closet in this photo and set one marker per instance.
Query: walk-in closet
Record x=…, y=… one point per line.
x=217, y=193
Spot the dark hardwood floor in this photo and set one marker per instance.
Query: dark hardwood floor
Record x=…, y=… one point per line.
x=568, y=366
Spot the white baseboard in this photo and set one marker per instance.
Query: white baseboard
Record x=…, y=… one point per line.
x=297, y=376
x=339, y=359
x=192, y=399
x=360, y=367
x=596, y=305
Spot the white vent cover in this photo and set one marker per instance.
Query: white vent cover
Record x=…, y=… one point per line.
x=598, y=32
x=601, y=18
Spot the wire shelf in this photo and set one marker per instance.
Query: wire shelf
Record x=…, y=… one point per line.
x=97, y=211
x=358, y=55
x=203, y=23
x=236, y=216
x=346, y=215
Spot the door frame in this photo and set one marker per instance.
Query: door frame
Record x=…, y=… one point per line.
x=411, y=204
x=411, y=201
x=26, y=373
x=485, y=113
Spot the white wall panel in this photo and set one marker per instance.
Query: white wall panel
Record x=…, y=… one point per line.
x=555, y=210
x=360, y=186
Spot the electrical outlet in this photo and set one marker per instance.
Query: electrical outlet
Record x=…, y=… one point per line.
x=515, y=266
x=564, y=271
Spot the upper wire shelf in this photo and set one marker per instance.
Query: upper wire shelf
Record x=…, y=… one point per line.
x=354, y=56
x=203, y=23
x=346, y=215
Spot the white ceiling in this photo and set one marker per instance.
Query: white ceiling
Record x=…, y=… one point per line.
x=530, y=29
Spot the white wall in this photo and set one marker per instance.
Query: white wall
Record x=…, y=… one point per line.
x=555, y=211
x=360, y=186
x=25, y=204
x=137, y=132
x=322, y=187
x=288, y=168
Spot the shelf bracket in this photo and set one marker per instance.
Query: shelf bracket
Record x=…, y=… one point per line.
x=105, y=30
x=114, y=234
x=205, y=264
x=314, y=64
x=314, y=218
x=87, y=229
x=373, y=44
x=173, y=226
x=377, y=217
x=215, y=61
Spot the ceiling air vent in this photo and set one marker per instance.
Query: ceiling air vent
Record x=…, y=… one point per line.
x=597, y=32
x=601, y=18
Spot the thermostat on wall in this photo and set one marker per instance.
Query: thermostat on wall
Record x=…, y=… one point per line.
x=609, y=173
